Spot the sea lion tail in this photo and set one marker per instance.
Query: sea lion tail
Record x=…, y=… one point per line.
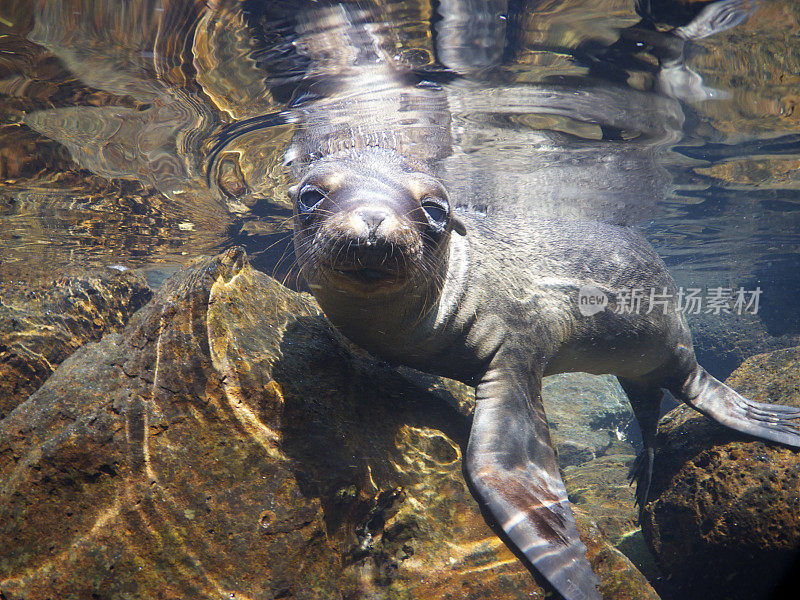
x=716, y=400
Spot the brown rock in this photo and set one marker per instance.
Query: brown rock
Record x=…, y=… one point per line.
x=724, y=515
x=230, y=444
x=40, y=327
x=601, y=489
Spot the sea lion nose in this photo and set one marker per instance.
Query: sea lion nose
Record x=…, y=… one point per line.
x=373, y=217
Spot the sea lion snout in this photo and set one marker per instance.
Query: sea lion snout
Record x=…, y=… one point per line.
x=365, y=225
x=360, y=241
x=368, y=243
x=373, y=221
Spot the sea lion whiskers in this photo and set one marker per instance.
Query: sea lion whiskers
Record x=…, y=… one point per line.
x=433, y=292
x=284, y=254
x=302, y=251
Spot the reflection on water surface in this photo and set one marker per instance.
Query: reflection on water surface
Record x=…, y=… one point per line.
x=150, y=132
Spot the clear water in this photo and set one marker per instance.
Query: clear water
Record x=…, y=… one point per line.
x=148, y=132
x=145, y=133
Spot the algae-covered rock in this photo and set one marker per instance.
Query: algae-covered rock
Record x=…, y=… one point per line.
x=601, y=488
x=724, y=513
x=40, y=327
x=229, y=444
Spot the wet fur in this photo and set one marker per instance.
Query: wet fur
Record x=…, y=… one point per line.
x=495, y=304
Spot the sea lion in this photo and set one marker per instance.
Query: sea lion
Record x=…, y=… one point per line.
x=493, y=301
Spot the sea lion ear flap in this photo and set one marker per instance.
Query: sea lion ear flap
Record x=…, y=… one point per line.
x=458, y=226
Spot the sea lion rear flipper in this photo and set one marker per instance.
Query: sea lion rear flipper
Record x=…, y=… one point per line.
x=645, y=399
x=714, y=399
x=512, y=465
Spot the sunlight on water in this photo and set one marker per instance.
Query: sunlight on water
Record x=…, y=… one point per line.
x=158, y=131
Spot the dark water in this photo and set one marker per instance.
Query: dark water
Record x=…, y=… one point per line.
x=148, y=132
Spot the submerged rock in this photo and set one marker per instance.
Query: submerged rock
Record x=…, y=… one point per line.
x=724, y=513
x=588, y=414
x=39, y=328
x=601, y=488
x=230, y=444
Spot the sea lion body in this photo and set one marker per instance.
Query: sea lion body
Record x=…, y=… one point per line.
x=532, y=271
x=493, y=301
x=525, y=275
x=489, y=294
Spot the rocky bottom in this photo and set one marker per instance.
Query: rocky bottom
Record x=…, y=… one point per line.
x=228, y=443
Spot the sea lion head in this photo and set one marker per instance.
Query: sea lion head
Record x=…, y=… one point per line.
x=370, y=224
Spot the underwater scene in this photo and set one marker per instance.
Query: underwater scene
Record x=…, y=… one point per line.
x=399, y=300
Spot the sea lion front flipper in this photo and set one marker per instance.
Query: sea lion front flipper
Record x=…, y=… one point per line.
x=512, y=465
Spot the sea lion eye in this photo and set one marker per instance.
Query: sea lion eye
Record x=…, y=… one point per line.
x=436, y=210
x=309, y=198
